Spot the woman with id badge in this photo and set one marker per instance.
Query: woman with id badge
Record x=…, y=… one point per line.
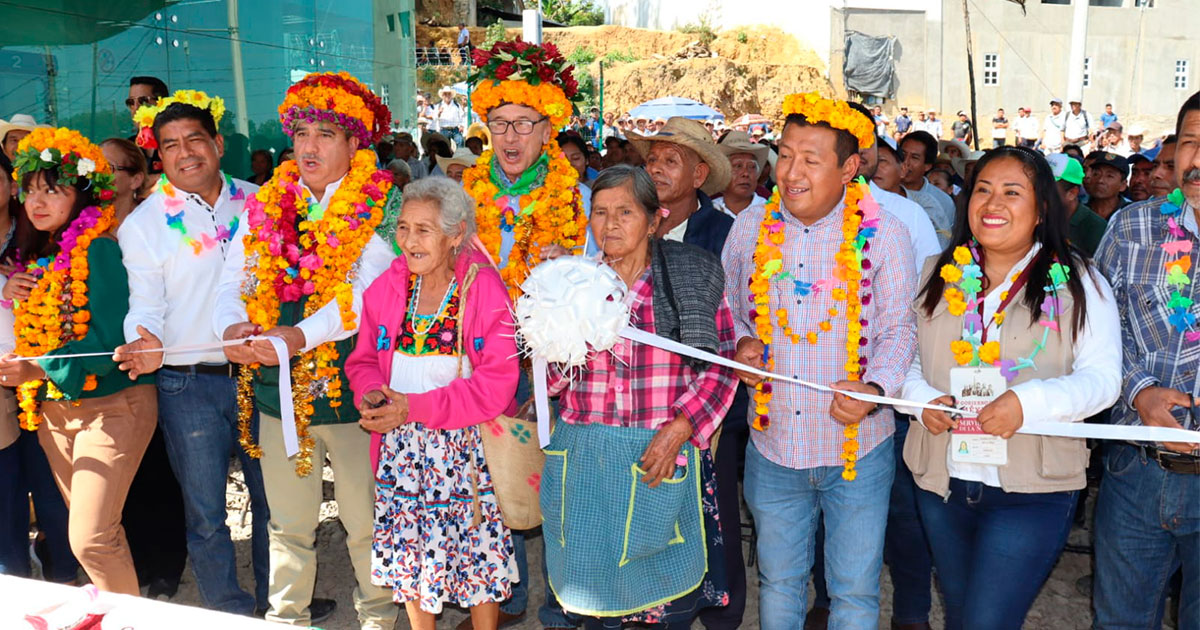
x=1015, y=326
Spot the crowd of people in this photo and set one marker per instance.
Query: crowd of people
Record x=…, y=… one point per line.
x=352, y=308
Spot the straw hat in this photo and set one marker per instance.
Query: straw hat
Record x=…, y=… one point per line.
x=480, y=130
x=428, y=138
x=959, y=144
x=736, y=142
x=693, y=135
x=463, y=157
x=19, y=122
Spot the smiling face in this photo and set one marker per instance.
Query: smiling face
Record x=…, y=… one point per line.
x=48, y=205
x=1002, y=210
x=420, y=237
x=515, y=152
x=810, y=179
x=1187, y=158
x=190, y=157
x=323, y=152
x=619, y=223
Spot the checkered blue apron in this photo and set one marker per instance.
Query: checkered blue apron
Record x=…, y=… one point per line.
x=614, y=545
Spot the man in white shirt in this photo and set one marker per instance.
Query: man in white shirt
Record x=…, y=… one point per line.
x=747, y=158
x=1027, y=128
x=174, y=245
x=934, y=125
x=1077, y=126
x=449, y=118
x=328, y=156
x=1052, y=129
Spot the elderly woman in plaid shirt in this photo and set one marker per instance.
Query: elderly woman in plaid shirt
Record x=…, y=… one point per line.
x=628, y=494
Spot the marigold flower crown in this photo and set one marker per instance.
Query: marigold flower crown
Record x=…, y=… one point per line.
x=146, y=114
x=72, y=154
x=336, y=98
x=524, y=74
x=835, y=113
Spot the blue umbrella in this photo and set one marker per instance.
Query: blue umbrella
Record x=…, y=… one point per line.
x=669, y=106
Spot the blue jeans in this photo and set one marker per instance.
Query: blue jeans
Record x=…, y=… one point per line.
x=905, y=550
x=198, y=416
x=993, y=549
x=1147, y=525
x=787, y=503
x=24, y=471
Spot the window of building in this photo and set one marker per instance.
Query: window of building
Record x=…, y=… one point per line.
x=991, y=69
x=1106, y=3
x=1181, y=74
x=1087, y=72
x=1056, y=1
x=1143, y=4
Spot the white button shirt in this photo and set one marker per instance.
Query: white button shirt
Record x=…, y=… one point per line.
x=323, y=326
x=172, y=289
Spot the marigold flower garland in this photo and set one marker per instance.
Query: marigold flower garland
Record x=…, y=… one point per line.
x=290, y=255
x=964, y=301
x=56, y=312
x=550, y=214
x=145, y=115
x=833, y=112
x=860, y=220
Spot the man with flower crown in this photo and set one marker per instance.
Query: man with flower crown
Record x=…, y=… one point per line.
x=824, y=281
x=529, y=202
x=304, y=252
x=174, y=246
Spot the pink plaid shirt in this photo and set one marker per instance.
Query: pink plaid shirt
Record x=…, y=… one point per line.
x=642, y=386
x=802, y=434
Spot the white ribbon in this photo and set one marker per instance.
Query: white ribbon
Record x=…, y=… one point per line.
x=287, y=409
x=1051, y=429
x=196, y=347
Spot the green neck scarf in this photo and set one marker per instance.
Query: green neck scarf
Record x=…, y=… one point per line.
x=533, y=177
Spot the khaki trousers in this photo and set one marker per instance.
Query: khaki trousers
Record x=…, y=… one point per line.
x=295, y=509
x=94, y=450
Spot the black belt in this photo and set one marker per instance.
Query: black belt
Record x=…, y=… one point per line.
x=1173, y=462
x=224, y=369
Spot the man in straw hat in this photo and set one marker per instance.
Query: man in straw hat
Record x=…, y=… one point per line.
x=449, y=117
x=454, y=165
x=832, y=453
x=686, y=167
x=306, y=243
x=11, y=132
x=529, y=204
x=747, y=160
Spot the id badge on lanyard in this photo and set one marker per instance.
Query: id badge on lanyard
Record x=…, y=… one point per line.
x=973, y=388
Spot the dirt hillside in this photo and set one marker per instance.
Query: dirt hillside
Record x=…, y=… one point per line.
x=744, y=70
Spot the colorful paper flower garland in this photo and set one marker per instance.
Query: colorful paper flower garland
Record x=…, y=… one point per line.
x=173, y=209
x=291, y=254
x=964, y=301
x=860, y=221
x=1177, y=267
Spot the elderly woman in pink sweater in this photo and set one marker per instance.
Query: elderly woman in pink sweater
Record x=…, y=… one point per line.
x=434, y=358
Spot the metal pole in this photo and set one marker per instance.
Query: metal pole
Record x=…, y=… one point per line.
x=95, y=88
x=241, y=120
x=1079, y=19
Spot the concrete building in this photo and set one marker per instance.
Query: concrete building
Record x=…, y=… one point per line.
x=1140, y=55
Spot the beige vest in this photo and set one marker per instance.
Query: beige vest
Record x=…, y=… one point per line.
x=1035, y=463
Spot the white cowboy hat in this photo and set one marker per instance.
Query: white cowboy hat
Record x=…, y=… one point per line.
x=19, y=122
x=462, y=156
x=736, y=142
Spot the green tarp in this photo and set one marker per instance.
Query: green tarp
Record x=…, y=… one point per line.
x=65, y=22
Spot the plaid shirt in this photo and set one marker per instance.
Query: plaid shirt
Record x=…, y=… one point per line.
x=1154, y=353
x=642, y=386
x=802, y=434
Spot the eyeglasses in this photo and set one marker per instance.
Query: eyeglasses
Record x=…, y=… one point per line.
x=141, y=101
x=522, y=127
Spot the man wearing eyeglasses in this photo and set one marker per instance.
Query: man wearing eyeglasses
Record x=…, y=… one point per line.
x=146, y=91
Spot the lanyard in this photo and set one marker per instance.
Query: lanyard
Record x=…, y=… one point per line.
x=1016, y=287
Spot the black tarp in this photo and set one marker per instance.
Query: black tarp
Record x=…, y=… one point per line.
x=870, y=67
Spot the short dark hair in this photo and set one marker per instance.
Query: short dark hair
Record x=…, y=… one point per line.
x=928, y=142
x=1190, y=105
x=183, y=111
x=1170, y=139
x=157, y=87
x=263, y=152
x=845, y=145
x=565, y=138
x=643, y=187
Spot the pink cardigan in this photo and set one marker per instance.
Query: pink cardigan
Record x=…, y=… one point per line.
x=488, y=342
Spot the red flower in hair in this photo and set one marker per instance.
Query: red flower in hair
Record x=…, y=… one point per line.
x=545, y=73
x=505, y=70
x=145, y=138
